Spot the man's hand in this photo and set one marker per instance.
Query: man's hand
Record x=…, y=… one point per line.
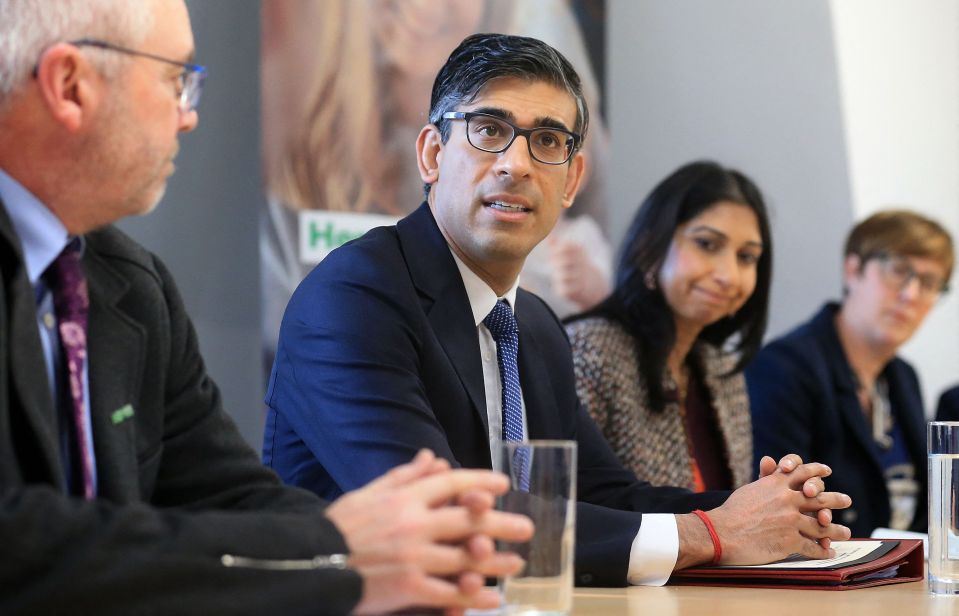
x=422, y=535
x=767, y=520
x=811, y=487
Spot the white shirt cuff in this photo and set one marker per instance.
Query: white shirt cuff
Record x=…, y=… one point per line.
x=655, y=550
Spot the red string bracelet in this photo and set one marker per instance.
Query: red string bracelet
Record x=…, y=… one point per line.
x=717, y=546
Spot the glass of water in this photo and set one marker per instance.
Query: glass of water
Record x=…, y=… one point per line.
x=542, y=486
x=944, y=507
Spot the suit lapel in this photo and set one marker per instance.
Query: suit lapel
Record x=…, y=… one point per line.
x=903, y=398
x=27, y=365
x=855, y=420
x=542, y=419
x=436, y=277
x=116, y=344
x=850, y=409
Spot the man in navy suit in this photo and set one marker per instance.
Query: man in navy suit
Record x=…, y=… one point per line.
x=125, y=488
x=383, y=348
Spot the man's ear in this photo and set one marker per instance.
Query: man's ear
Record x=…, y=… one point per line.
x=70, y=86
x=574, y=178
x=429, y=153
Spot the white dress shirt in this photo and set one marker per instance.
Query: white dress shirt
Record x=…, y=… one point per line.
x=655, y=548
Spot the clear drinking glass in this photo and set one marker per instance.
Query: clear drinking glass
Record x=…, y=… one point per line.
x=944, y=507
x=543, y=486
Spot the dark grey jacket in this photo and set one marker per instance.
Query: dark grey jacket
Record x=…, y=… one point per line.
x=178, y=487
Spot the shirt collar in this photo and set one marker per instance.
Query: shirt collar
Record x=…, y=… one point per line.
x=481, y=297
x=42, y=235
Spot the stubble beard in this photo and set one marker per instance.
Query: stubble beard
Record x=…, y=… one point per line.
x=124, y=157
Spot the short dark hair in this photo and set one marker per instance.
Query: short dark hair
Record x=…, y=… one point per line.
x=643, y=311
x=481, y=58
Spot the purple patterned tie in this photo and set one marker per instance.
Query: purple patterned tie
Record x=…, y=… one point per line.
x=71, y=302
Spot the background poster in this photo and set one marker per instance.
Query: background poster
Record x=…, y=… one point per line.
x=345, y=90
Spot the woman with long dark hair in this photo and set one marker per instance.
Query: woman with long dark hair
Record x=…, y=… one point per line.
x=659, y=362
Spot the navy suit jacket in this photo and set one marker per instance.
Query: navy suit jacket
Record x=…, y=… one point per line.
x=948, y=407
x=378, y=357
x=803, y=401
x=177, y=485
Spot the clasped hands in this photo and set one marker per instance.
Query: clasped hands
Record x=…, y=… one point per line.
x=786, y=511
x=423, y=534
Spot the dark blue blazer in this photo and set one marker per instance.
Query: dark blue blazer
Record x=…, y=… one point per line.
x=378, y=357
x=948, y=408
x=803, y=400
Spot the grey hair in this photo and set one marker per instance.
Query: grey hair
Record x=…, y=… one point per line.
x=28, y=27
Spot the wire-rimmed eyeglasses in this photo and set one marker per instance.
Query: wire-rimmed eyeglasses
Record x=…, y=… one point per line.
x=190, y=81
x=489, y=133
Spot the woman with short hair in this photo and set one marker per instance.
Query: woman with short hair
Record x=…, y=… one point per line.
x=833, y=390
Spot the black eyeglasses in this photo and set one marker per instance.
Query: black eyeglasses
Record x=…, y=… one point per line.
x=548, y=145
x=897, y=272
x=190, y=82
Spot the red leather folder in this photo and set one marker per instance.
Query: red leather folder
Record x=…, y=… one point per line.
x=898, y=560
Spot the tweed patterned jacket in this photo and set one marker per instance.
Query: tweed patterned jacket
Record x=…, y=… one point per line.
x=653, y=445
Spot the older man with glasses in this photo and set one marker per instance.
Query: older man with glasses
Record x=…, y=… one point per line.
x=834, y=389
x=124, y=486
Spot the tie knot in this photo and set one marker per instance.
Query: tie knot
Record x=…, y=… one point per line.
x=500, y=322
x=65, y=269
x=68, y=284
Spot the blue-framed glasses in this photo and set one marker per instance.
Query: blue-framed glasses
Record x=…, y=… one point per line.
x=190, y=81
x=489, y=133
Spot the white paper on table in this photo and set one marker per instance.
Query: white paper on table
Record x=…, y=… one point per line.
x=846, y=552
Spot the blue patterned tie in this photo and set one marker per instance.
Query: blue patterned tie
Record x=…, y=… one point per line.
x=502, y=325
